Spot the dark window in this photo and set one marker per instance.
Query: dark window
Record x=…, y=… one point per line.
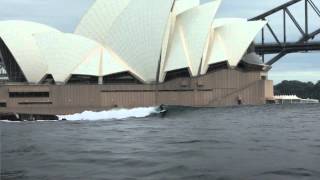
x=218, y=66
x=180, y=73
x=48, y=79
x=3, y=73
x=81, y=79
x=3, y=104
x=34, y=103
x=121, y=78
x=250, y=67
x=28, y=94
x=12, y=68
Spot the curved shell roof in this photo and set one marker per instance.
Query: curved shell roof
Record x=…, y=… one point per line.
x=224, y=47
x=65, y=52
x=155, y=37
x=40, y=50
x=147, y=38
x=190, y=38
x=134, y=30
x=17, y=35
x=98, y=21
x=181, y=6
x=69, y=54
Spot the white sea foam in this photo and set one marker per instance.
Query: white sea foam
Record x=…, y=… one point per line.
x=111, y=114
x=47, y=120
x=24, y=121
x=8, y=121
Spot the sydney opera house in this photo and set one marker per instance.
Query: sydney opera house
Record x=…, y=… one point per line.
x=132, y=53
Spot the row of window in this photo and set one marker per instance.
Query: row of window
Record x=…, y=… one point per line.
x=29, y=94
x=121, y=78
x=4, y=105
x=35, y=103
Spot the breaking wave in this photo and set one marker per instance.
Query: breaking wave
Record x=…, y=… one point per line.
x=8, y=121
x=111, y=114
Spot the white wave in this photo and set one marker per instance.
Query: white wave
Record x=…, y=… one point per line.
x=111, y=114
x=47, y=120
x=8, y=121
x=25, y=121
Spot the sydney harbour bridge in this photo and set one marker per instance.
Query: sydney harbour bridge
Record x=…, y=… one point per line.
x=281, y=45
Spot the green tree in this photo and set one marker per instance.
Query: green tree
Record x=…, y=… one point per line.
x=301, y=89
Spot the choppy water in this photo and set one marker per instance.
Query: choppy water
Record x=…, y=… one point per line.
x=245, y=143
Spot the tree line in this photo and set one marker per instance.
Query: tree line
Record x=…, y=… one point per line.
x=301, y=89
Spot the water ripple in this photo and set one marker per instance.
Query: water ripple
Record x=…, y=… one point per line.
x=262, y=142
x=294, y=172
x=200, y=141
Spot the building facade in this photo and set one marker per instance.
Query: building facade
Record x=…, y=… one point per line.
x=133, y=53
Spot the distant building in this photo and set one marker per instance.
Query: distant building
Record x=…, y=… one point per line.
x=294, y=99
x=129, y=53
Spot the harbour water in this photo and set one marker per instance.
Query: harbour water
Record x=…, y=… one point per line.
x=242, y=143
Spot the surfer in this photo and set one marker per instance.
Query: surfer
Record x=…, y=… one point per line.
x=162, y=111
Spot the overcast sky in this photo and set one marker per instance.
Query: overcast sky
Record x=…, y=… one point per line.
x=65, y=14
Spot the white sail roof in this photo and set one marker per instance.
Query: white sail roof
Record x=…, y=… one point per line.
x=178, y=56
x=101, y=63
x=165, y=44
x=17, y=35
x=230, y=39
x=97, y=22
x=190, y=37
x=69, y=54
x=135, y=31
x=135, y=36
x=181, y=6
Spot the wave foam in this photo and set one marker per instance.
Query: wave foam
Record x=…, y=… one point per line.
x=8, y=121
x=111, y=114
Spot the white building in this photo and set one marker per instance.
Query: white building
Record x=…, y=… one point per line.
x=139, y=39
x=293, y=99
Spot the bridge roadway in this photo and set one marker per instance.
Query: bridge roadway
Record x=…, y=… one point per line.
x=274, y=48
